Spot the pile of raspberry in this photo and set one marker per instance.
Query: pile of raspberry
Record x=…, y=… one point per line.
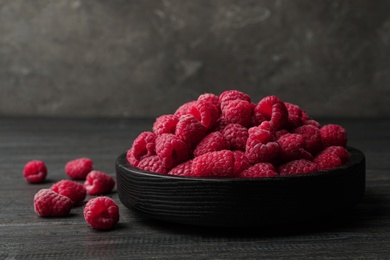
x=230, y=136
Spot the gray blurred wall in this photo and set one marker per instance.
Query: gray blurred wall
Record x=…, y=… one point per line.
x=147, y=57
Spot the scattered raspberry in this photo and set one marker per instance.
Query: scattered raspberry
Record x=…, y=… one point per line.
x=274, y=110
x=241, y=162
x=143, y=146
x=214, y=164
x=183, y=169
x=312, y=138
x=238, y=112
x=291, y=148
x=101, y=212
x=165, y=124
x=333, y=135
x=78, y=168
x=47, y=203
x=261, y=147
x=210, y=97
x=294, y=115
x=152, y=164
x=212, y=142
x=35, y=171
x=171, y=150
x=205, y=112
x=327, y=161
x=190, y=130
x=98, y=183
x=73, y=190
x=184, y=109
x=229, y=95
x=300, y=166
x=259, y=170
x=340, y=151
x=236, y=135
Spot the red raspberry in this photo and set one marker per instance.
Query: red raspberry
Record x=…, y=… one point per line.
x=143, y=146
x=300, y=166
x=35, y=171
x=333, y=135
x=236, y=135
x=153, y=164
x=274, y=110
x=165, y=124
x=211, y=143
x=294, y=115
x=280, y=133
x=98, y=183
x=220, y=124
x=327, y=161
x=171, y=150
x=190, y=130
x=305, y=116
x=101, y=212
x=184, y=109
x=261, y=147
x=340, y=151
x=47, y=203
x=206, y=112
x=313, y=123
x=73, y=190
x=183, y=169
x=78, y=168
x=259, y=170
x=229, y=95
x=312, y=138
x=241, y=162
x=210, y=97
x=214, y=164
x=291, y=148
x=238, y=112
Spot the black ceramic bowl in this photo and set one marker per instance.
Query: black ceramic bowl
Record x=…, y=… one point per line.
x=241, y=202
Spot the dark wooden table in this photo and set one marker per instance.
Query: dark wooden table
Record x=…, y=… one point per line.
x=362, y=232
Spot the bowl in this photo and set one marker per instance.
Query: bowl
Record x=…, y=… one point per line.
x=235, y=202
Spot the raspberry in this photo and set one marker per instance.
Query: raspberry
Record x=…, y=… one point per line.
x=47, y=203
x=312, y=138
x=143, y=146
x=313, y=123
x=211, y=143
x=171, y=150
x=78, y=168
x=300, y=166
x=183, y=169
x=229, y=95
x=333, y=135
x=214, y=164
x=73, y=190
x=165, y=124
x=190, y=130
x=210, y=97
x=153, y=164
x=280, y=133
x=101, y=213
x=98, y=183
x=238, y=112
x=35, y=171
x=340, y=151
x=327, y=161
x=259, y=170
x=294, y=118
x=241, y=162
x=274, y=110
x=261, y=147
x=220, y=124
x=291, y=148
x=236, y=135
x=206, y=112
x=184, y=109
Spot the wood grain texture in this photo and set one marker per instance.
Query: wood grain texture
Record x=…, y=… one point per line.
x=362, y=232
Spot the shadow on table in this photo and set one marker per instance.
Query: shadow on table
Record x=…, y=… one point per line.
x=368, y=212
